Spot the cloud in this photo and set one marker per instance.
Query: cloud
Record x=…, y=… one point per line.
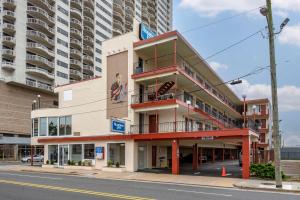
x=288, y=96
x=292, y=139
x=217, y=66
x=290, y=35
x=212, y=8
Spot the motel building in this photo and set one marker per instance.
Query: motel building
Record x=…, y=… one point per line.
x=155, y=105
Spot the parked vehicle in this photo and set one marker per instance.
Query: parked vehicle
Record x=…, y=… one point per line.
x=36, y=158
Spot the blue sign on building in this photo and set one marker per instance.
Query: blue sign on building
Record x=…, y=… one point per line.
x=146, y=32
x=99, y=149
x=118, y=126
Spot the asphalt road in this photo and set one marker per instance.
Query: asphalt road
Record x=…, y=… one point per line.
x=39, y=186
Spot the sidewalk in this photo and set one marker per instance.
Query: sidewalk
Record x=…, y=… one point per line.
x=268, y=185
x=136, y=176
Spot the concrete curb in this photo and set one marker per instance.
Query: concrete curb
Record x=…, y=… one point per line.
x=266, y=189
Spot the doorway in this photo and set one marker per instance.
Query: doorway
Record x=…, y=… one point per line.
x=142, y=157
x=63, y=154
x=153, y=125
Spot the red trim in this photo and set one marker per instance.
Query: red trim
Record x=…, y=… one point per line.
x=151, y=136
x=262, y=145
x=156, y=71
x=262, y=101
x=154, y=103
x=155, y=39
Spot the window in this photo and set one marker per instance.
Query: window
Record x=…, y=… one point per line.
x=188, y=97
x=62, y=10
x=62, y=42
x=68, y=95
x=35, y=127
x=76, y=152
x=62, y=53
x=98, y=60
x=65, y=33
x=65, y=125
x=65, y=2
x=62, y=64
x=98, y=69
x=63, y=21
x=52, y=125
x=89, y=151
x=43, y=126
x=62, y=75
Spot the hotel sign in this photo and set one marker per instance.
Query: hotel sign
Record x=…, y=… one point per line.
x=146, y=32
x=118, y=126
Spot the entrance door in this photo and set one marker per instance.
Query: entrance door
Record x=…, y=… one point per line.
x=153, y=126
x=154, y=150
x=63, y=154
x=142, y=157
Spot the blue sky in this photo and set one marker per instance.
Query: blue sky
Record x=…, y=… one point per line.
x=252, y=53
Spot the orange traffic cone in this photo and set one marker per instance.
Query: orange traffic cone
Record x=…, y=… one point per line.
x=223, y=171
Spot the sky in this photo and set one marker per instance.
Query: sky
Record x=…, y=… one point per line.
x=250, y=54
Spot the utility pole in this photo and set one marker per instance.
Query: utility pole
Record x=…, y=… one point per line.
x=277, y=156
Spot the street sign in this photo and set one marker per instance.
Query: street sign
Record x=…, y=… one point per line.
x=146, y=32
x=118, y=126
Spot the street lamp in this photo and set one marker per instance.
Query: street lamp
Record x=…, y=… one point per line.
x=39, y=101
x=267, y=12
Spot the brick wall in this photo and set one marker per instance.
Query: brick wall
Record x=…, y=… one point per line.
x=16, y=105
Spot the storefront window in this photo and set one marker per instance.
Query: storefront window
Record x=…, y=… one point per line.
x=116, y=153
x=76, y=152
x=53, y=153
x=43, y=126
x=52, y=123
x=89, y=151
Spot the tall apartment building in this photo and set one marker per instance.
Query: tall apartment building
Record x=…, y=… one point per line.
x=156, y=14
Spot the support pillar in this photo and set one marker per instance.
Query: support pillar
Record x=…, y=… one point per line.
x=195, y=157
x=200, y=155
x=246, y=157
x=213, y=155
x=175, y=156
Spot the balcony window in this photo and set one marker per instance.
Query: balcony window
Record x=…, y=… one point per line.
x=207, y=109
x=199, y=104
x=52, y=125
x=65, y=125
x=188, y=97
x=43, y=126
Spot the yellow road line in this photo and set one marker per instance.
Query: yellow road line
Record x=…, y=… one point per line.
x=81, y=191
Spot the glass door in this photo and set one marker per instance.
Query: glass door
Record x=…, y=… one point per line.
x=63, y=154
x=142, y=157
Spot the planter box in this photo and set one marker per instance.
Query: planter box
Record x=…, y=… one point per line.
x=114, y=169
x=78, y=167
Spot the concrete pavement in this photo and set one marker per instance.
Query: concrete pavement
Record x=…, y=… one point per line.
x=31, y=186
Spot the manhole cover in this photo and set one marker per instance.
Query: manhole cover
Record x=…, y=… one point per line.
x=268, y=184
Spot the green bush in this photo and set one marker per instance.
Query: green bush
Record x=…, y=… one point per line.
x=117, y=164
x=47, y=162
x=69, y=162
x=79, y=163
x=110, y=163
x=51, y=162
x=265, y=171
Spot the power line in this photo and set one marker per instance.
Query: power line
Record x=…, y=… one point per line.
x=220, y=20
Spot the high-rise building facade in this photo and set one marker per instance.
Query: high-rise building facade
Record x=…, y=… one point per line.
x=46, y=43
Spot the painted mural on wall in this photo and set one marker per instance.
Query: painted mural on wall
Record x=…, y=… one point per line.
x=117, y=85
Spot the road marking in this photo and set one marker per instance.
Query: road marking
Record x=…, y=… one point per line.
x=32, y=176
x=198, y=192
x=81, y=191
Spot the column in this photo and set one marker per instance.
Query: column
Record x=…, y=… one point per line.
x=200, y=155
x=213, y=155
x=175, y=156
x=246, y=157
x=195, y=157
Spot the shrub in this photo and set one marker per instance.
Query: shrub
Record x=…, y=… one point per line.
x=265, y=171
x=110, y=163
x=47, y=162
x=72, y=162
x=69, y=162
x=51, y=162
x=79, y=163
x=117, y=164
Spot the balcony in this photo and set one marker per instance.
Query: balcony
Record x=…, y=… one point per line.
x=9, y=28
x=76, y=13
x=40, y=49
x=40, y=72
x=40, y=38
x=38, y=84
x=88, y=21
x=9, y=4
x=119, y=7
x=74, y=53
x=75, y=63
x=118, y=27
x=118, y=16
x=88, y=50
x=76, y=33
x=76, y=3
x=88, y=12
x=9, y=16
x=129, y=3
x=39, y=61
x=88, y=31
x=88, y=69
x=85, y=76
x=89, y=3
x=74, y=43
x=10, y=66
x=40, y=14
x=75, y=74
x=88, y=40
x=88, y=59
x=75, y=23
x=9, y=41
x=40, y=25
x=44, y=4
x=8, y=54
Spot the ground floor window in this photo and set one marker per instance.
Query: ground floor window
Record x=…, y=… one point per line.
x=116, y=153
x=76, y=152
x=89, y=151
x=53, y=153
